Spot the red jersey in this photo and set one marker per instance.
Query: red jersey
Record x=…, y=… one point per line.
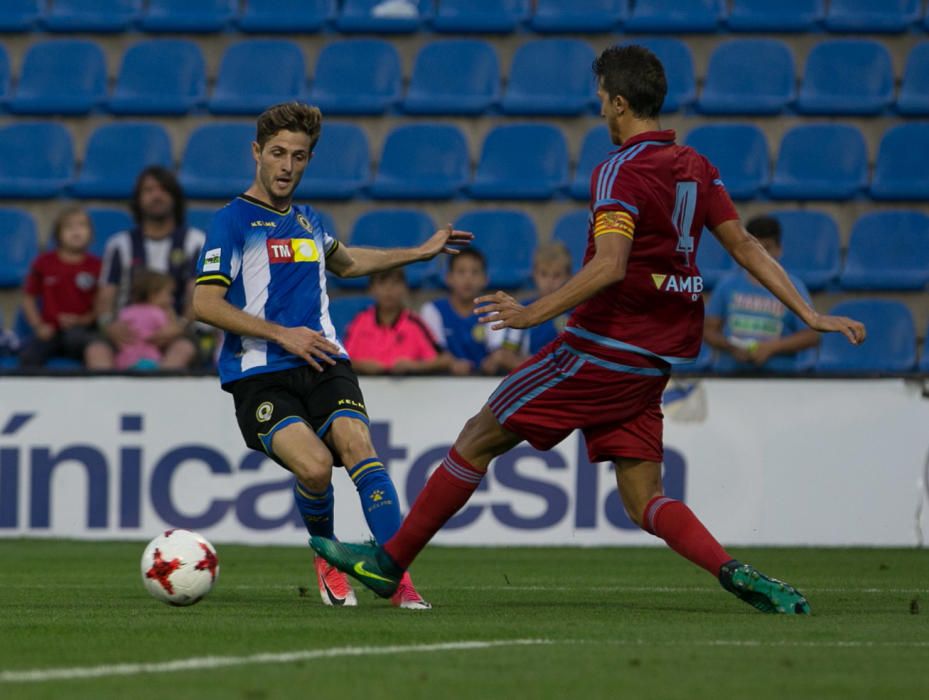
x=660, y=195
x=63, y=287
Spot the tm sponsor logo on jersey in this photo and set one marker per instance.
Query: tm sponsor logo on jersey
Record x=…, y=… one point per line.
x=692, y=284
x=292, y=250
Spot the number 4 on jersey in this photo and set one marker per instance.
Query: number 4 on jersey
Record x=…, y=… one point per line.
x=685, y=202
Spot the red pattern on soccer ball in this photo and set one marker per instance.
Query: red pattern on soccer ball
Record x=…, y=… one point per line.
x=209, y=561
x=161, y=571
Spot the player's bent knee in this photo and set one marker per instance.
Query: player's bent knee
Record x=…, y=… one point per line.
x=483, y=438
x=304, y=454
x=351, y=440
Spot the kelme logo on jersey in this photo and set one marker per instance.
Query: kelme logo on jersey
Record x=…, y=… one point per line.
x=292, y=250
x=678, y=283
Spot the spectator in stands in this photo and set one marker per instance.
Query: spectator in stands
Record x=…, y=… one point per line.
x=151, y=309
x=58, y=297
x=388, y=338
x=160, y=241
x=745, y=322
x=474, y=346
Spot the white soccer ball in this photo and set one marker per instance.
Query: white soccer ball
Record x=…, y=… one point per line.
x=179, y=567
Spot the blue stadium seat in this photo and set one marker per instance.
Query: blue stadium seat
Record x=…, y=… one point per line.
x=106, y=221
x=551, y=77
x=781, y=16
x=913, y=99
x=218, y=162
x=341, y=164
x=20, y=245
x=357, y=76
x=570, y=16
x=507, y=238
x=20, y=15
x=748, y=76
x=285, y=16
x=62, y=76
x=116, y=154
x=36, y=160
x=4, y=75
x=454, y=76
x=342, y=310
x=891, y=344
x=91, y=15
x=392, y=228
x=256, y=74
x=480, y=16
x=678, y=64
x=676, y=16
x=871, y=16
x=810, y=240
x=161, y=76
x=571, y=230
x=182, y=16
x=740, y=153
x=595, y=149
x=901, y=171
x=820, y=161
x=888, y=250
x=847, y=76
x=422, y=161
x=200, y=217
x=713, y=260
x=521, y=161
x=359, y=16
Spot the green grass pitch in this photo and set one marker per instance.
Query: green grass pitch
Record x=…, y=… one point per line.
x=599, y=623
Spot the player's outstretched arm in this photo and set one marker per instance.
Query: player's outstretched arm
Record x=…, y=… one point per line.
x=751, y=255
x=356, y=262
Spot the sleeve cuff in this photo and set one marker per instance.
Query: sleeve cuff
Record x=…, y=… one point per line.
x=220, y=280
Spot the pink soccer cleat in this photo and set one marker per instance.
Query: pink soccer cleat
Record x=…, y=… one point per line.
x=407, y=597
x=334, y=588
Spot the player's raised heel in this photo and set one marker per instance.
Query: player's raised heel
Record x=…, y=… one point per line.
x=334, y=588
x=762, y=592
x=407, y=597
x=364, y=562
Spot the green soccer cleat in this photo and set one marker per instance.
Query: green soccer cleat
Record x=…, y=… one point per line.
x=762, y=592
x=366, y=562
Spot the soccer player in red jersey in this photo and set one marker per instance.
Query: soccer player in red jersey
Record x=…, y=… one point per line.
x=638, y=312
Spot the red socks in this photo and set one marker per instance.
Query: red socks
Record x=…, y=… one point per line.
x=677, y=525
x=447, y=490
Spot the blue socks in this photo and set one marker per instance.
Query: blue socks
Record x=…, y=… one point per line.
x=378, y=498
x=316, y=510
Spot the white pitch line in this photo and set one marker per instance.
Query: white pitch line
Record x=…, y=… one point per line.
x=39, y=675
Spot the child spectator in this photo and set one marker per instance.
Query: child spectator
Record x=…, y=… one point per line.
x=58, y=295
x=388, y=338
x=151, y=310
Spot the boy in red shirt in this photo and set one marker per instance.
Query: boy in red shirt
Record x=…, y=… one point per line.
x=58, y=295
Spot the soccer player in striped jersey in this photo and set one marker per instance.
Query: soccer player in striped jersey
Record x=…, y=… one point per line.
x=638, y=312
x=262, y=279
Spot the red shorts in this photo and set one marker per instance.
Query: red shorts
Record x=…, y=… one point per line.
x=561, y=389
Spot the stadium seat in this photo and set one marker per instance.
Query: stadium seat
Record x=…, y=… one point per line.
x=924, y=360
x=218, y=162
x=357, y=76
x=480, y=16
x=740, y=153
x=162, y=76
x=256, y=74
x=678, y=64
x=677, y=16
x=4, y=75
x=20, y=245
x=341, y=164
x=62, y=76
x=595, y=149
x=116, y=154
x=913, y=99
x=871, y=16
x=182, y=16
x=521, y=161
x=901, y=171
x=891, y=344
x=810, y=240
x=713, y=260
x=200, y=217
x=782, y=16
x=361, y=16
x=36, y=160
x=106, y=221
x=507, y=238
x=454, y=76
x=570, y=16
x=820, y=161
x=91, y=15
x=748, y=76
x=285, y=16
x=571, y=230
x=422, y=161
x=20, y=15
x=550, y=77
x=888, y=250
x=342, y=310
x=392, y=228
x=847, y=76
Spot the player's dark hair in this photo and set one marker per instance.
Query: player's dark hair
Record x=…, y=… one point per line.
x=169, y=183
x=147, y=283
x=394, y=273
x=289, y=116
x=472, y=253
x=66, y=214
x=635, y=73
x=765, y=227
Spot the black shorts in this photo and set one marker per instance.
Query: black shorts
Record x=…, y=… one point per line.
x=265, y=403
